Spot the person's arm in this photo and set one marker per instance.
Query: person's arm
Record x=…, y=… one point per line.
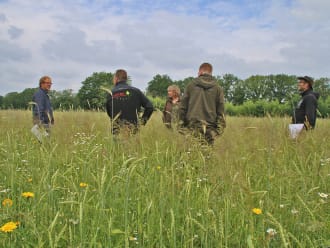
x=310, y=111
x=39, y=113
x=167, y=113
x=148, y=108
x=109, y=106
x=51, y=115
x=183, y=109
x=221, y=121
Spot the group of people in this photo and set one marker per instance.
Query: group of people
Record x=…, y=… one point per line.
x=200, y=110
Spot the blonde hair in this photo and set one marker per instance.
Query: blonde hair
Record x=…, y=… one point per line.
x=175, y=89
x=42, y=79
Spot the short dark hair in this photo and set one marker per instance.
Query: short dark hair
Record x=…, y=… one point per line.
x=206, y=68
x=42, y=79
x=121, y=75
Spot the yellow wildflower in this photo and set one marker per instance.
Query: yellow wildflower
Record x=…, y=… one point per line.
x=7, y=202
x=28, y=194
x=158, y=167
x=257, y=211
x=29, y=180
x=83, y=185
x=8, y=227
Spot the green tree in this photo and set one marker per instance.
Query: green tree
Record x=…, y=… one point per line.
x=281, y=87
x=158, y=85
x=239, y=93
x=257, y=88
x=322, y=86
x=230, y=84
x=90, y=95
x=17, y=100
x=182, y=84
x=64, y=100
x=11, y=100
x=1, y=102
x=26, y=96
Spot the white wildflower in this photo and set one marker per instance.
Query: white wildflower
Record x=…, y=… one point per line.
x=323, y=195
x=294, y=211
x=5, y=191
x=73, y=221
x=271, y=232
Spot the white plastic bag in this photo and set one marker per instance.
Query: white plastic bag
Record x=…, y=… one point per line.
x=295, y=129
x=38, y=132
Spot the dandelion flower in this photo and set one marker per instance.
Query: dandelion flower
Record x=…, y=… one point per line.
x=257, y=211
x=28, y=194
x=158, y=167
x=9, y=227
x=7, y=202
x=83, y=185
x=323, y=195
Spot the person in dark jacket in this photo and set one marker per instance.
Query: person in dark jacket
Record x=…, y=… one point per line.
x=202, y=106
x=124, y=105
x=171, y=109
x=42, y=108
x=305, y=111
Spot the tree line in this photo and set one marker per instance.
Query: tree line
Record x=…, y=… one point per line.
x=255, y=96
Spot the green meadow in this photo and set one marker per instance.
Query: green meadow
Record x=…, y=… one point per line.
x=254, y=188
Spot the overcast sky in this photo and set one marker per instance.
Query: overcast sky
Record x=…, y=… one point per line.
x=69, y=40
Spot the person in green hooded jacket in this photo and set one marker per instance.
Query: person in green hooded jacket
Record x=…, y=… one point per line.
x=202, y=106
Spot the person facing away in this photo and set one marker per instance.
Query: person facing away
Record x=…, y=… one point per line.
x=125, y=103
x=202, y=106
x=305, y=111
x=171, y=109
x=42, y=108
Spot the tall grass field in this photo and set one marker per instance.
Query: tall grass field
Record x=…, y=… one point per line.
x=82, y=187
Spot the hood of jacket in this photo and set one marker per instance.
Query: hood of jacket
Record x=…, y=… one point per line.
x=311, y=92
x=205, y=81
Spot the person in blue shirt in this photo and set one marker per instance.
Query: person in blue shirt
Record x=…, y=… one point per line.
x=124, y=104
x=42, y=108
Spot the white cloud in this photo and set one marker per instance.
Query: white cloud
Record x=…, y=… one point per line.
x=69, y=40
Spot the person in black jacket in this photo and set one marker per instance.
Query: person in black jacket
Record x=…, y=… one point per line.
x=305, y=111
x=124, y=105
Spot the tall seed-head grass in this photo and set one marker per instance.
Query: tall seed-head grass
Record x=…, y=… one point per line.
x=162, y=188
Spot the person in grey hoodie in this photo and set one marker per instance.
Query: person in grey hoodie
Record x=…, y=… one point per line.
x=305, y=111
x=202, y=106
